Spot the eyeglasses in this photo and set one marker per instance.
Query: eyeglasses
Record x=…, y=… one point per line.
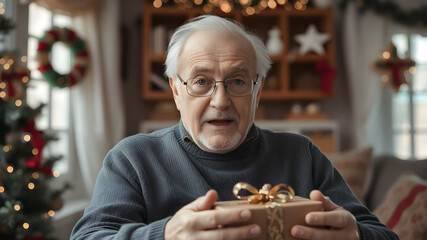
x=204, y=87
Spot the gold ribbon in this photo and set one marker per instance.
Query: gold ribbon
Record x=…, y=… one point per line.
x=266, y=193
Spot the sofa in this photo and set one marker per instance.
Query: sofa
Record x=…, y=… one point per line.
x=395, y=190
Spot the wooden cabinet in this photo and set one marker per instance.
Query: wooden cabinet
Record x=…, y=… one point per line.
x=292, y=77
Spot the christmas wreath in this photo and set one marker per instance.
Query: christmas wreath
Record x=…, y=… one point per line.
x=78, y=51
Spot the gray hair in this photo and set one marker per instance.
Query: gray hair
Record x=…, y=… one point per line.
x=212, y=22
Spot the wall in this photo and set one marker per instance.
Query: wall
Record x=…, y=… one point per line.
x=137, y=110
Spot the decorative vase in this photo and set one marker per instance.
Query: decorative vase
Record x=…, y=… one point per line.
x=274, y=43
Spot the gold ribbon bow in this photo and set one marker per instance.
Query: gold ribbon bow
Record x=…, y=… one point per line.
x=266, y=193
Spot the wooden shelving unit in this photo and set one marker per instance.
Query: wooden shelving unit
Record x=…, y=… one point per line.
x=292, y=77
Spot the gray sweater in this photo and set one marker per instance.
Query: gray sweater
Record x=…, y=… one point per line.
x=146, y=178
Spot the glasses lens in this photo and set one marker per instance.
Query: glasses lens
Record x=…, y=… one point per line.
x=239, y=86
x=200, y=86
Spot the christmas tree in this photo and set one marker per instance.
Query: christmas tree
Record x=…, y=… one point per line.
x=27, y=201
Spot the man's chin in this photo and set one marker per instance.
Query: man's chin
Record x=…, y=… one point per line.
x=220, y=144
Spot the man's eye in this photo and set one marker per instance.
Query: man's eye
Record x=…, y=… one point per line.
x=200, y=81
x=237, y=81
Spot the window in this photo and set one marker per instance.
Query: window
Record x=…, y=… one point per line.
x=55, y=117
x=410, y=103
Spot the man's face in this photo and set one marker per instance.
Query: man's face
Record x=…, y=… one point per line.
x=217, y=123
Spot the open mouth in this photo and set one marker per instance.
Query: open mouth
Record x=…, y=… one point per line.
x=220, y=122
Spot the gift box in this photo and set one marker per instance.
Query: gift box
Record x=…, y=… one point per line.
x=275, y=215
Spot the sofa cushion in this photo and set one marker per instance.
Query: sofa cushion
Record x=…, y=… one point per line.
x=404, y=209
x=353, y=166
x=386, y=169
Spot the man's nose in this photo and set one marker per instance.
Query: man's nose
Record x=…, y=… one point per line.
x=220, y=98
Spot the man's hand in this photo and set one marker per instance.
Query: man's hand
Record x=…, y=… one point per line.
x=339, y=223
x=198, y=221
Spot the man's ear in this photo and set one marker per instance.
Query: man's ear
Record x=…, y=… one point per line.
x=175, y=93
x=258, y=96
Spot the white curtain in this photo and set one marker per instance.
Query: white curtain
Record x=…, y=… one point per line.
x=97, y=101
x=364, y=36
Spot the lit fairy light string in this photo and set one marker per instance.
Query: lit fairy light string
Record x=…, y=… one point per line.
x=248, y=7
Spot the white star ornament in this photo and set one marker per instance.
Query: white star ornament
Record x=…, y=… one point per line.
x=312, y=40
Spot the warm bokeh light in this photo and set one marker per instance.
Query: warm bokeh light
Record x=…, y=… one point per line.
x=7, y=148
x=17, y=207
x=18, y=103
x=1, y=189
x=2, y=94
x=35, y=151
x=412, y=70
x=24, y=59
x=35, y=175
x=26, y=225
x=27, y=137
x=25, y=79
x=56, y=173
x=31, y=186
x=386, y=55
x=51, y=213
x=2, y=85
x=9, y=169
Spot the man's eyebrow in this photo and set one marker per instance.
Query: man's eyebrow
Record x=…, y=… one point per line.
x=199, y=69
x=240, y=68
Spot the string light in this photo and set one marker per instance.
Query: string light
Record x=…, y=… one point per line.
x=2, y=85
x=25, y=79
x=27, y=137
x=35, y=151
x=56, y=173
x=17, y=207
x=412, y=70
x=2, y=11
x=9, y=169
x=1, y=189
x=2, y=94
x=249, y=7
x=18, y=103
x=31, y=186
x=26, y=225
x=24, y=59
x=7, y=148
x=51, y=213
x=386, y=55
x=35, y=175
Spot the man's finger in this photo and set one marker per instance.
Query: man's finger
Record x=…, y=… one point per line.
x=304, y=232
x=335, y=219
x=204, y=202
x=241, y=232
x=217, y=218
x=328, y=205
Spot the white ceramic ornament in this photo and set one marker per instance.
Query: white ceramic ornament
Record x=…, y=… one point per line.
x=312, y=40
x=274, y=43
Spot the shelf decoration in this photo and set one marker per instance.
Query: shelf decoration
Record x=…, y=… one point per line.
x=14, y=77
x=248, y=7
x=412, y=17
x=78, y=50
x=327, y=75
x=393, y=68
x=312, y=40
x=274, y=43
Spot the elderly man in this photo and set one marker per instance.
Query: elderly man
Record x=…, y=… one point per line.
x=163, y=185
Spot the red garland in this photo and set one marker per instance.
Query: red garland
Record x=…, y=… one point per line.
x=38, y=143
x=9, y=77
x=327, y=75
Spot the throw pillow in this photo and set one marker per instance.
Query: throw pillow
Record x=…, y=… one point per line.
x=404, y=208
x=353, y=166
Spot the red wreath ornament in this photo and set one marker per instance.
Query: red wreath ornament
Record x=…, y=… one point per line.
x=78, y=51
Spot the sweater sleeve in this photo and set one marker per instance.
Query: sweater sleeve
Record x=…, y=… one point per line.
x=329, y=181
x=117, y=209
